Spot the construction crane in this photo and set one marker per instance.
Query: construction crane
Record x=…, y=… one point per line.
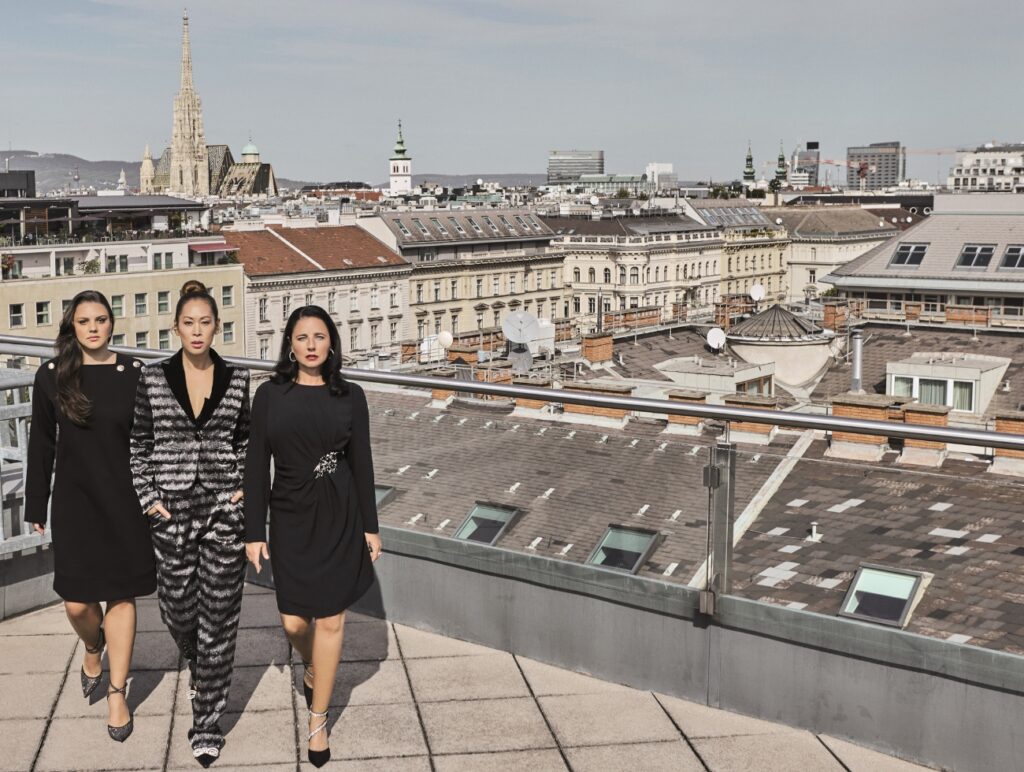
x=862, y=167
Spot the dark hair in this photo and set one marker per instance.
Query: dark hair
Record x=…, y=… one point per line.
x=194, y=289
x=70, y=399
x=287, y=369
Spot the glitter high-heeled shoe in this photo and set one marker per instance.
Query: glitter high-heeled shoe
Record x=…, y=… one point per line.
x=120, y=733
x=89, y=683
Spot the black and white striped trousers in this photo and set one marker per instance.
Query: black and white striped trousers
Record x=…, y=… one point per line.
x=200, y=565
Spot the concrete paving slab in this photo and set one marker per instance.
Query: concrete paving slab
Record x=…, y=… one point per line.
x=147, y=618
x=370, y=732
x=153, y=651
x=547, y=680
x=81, y=744
x=672, y=756
x=20, y=654
x=369, y=641
x=21, y=740
x=602, y=719
x=48, y=621
x=28, y=695
x=482, y=676
x=252, y=738
x=485, y=725
x=261, y=646
x=366, y=683
x=259, y=610
x=701, y=721
x=151, y=693
x=860, y=759
x=254, y=687
x=193, y=767
x=503, y=761
x=419, y=643
x=389, y=764
x=766, y=753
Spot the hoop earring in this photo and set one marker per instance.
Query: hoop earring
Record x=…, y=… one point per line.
x=331, y=351
x=291, y=356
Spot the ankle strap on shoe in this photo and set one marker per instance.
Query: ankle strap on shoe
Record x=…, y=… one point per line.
x=323, y=724
x=123, y=691
x=99, y=644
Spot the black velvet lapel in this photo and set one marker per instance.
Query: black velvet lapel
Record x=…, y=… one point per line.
x=174, y=371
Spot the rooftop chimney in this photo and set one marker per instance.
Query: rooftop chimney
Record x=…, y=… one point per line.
x=857, y=351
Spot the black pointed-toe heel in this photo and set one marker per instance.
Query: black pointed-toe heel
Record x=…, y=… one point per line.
x=318, y=758
x=307, y=690
x=121, y=733
x=89, y=683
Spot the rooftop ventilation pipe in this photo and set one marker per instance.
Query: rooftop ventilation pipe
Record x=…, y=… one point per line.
x=857, y=349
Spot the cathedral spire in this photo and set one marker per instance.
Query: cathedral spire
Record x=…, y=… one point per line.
x=186, y=55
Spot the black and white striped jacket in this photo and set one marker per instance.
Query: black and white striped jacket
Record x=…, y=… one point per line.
x=171, y=449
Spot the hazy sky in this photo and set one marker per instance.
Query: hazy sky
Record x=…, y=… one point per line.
x=493, y=85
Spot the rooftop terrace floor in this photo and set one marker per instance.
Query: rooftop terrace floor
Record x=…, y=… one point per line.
x=405, y=701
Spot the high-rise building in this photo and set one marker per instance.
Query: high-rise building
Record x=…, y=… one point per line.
x=662, y=176
x=990, y=167
x=805, y=162
x=885, y=164
x=401, y=167
x=566, y=166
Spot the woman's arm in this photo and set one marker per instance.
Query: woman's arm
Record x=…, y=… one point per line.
x=42, y=449
x=141, y=445
x=256, y=483
x=360, y=459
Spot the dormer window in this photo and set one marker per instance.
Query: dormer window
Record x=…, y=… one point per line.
x=975, y=256
x=908, y=255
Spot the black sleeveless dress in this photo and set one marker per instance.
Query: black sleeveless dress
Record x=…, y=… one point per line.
x=322, y=502
x=101, y=544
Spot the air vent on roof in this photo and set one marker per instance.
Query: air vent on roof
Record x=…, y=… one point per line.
x=382, y=259
x=346, y=261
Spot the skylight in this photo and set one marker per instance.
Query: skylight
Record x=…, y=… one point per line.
x=975, y=256
x=623, y=548
x=883, y=595
x=909, y=254
x=1013, y=257
x=384, y=494
x=486, y=523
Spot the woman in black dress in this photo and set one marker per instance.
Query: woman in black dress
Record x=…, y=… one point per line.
x=81, y=420
x=323, y=509
x=187, y=449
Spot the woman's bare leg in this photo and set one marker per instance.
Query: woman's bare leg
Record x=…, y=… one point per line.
x=328, y=637
x=299, y=631
x=120, y=631
x=86, y=619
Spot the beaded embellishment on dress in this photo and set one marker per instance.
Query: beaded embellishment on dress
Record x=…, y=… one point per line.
x=327, y=464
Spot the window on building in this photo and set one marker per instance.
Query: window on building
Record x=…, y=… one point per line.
x=512, y=284
x=554, y=280
x=497, y=319
x=458, y=228
x=576, y=275
x=64, y=266
x=932, y=391
x=286, y=304
x=576, y=304
x=479, y=321
x=392, y=331
x=228, y=332
x=65, y=305
x=117, y=305
x=117, y=340
x=393, y=297
x=353, y=300
x=496, y=285
x=163, y=304
x=591, y=304
x=227, y=296
x=1013, y=257
x=441, y=229
x=374, y=330
x=476, y=228
x=164, y=340
x=479, y=286
x=455, y=323
x=353, y=337
x=374, y=297
x=264, y=348
x=975, y=256
x=592, y=276
x=309, y=299
x=141, y=303
x=332, y=302
x=623, y=548
x=908, y=255
x=812, y=275
x=883, y=595
x=622, y=275
x=454, y=289
x=437, y=290
x=43, y=312
x=421, y=329
x=422, y=228
x=142, y=340
x=419, y=292
x=607, y=275
x=486, y=523
x=902, y=386
x=634, y=275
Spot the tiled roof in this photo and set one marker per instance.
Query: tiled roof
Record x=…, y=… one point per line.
x=466, y=226
x=334, y=248
x=620, y=226
x=830, y=221
x=945, y=236
x=775, y=323
x=960, y=524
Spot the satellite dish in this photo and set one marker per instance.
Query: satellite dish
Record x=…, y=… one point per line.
x=521, y=359
x=778, y=221
x=716, y=338
x=445, y=339
x=757, y=293
x=479, y=181
x=520, y=327
x=594, y=201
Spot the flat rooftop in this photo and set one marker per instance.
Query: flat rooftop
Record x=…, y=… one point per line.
x=406, y=700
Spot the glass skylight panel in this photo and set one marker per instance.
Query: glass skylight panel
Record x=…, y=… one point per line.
x=881, y=595
x=623, y=548
x=506, y=223
x=491, y=225
x=522, y=223
x=975, y=256
x=421, y=226
x=440, y=228
x=485, y=523
x=401, y=226
x=1013, y=257
x=458, y=228
x=384, y=494
x=474, y=226
x=909, y=254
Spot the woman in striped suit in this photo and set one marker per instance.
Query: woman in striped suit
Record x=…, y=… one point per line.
x=188, y=447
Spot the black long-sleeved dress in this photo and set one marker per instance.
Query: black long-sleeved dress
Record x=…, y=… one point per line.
x=320, y=509
x=101, y=543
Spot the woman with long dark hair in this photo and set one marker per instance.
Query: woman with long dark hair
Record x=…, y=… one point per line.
x=81, y=420
x=323, y=510
x=187, y=450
